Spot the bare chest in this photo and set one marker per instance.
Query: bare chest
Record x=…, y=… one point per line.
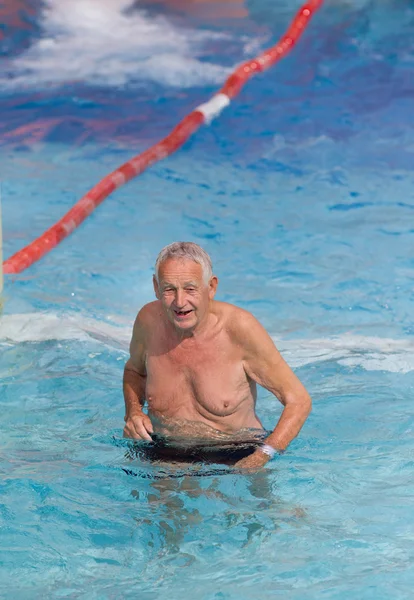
x=196, y=379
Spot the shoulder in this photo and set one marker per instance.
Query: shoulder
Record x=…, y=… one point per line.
x=240, y=324
x=144, y=321
x=147, y=314
x=254, y=343
x=141, y=334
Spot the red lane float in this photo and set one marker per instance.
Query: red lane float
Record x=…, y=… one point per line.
x=178, y=136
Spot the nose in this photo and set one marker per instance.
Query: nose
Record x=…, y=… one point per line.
x=179, y=298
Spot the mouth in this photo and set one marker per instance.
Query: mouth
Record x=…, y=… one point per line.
x=181, y=314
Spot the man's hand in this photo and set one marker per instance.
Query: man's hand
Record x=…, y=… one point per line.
x=254, y=461
x=138, y=426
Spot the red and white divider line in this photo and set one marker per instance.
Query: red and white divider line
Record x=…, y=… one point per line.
x=204, y=113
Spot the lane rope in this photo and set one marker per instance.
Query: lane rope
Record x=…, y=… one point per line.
x=204, y=113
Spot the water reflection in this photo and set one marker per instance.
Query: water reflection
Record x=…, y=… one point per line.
x=210, y=508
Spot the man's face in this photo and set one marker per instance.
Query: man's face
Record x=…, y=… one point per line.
x=183, y=293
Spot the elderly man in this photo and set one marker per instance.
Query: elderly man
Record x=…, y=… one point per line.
x=196, y=362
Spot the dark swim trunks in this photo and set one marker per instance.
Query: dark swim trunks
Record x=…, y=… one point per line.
x=226, y=452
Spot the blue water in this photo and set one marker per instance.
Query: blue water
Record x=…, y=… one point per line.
x=302, y=194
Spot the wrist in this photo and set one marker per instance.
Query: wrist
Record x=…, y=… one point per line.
x=136, y=412
x=268, y=450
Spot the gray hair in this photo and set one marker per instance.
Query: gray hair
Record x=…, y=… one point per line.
x=188, y=251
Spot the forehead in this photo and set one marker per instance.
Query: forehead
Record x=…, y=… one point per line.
x=181, y=269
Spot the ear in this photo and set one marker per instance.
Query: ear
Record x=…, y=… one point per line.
x=212, y=287
x=156, y=287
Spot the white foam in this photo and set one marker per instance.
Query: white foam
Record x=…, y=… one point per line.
x=370, y=353
x=105, y=42
x=40, y=327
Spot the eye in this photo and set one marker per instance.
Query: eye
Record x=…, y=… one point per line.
x=190, y=289
x=167, y=290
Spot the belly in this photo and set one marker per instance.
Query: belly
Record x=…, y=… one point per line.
x=202, y=429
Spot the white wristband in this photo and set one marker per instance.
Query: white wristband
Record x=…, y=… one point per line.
x=266, y=449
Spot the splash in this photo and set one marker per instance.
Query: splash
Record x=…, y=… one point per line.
x=111, y=43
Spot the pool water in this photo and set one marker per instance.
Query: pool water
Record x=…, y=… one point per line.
x=302, y=194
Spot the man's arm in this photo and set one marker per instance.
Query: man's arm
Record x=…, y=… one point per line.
x=264, y=364
x=137, y=424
